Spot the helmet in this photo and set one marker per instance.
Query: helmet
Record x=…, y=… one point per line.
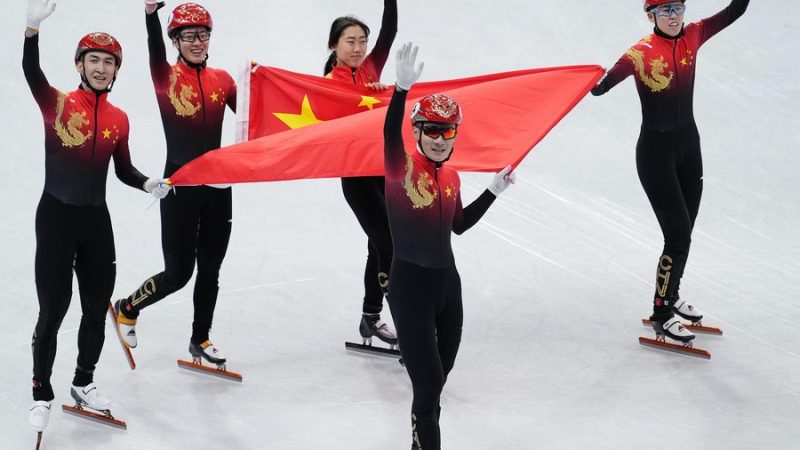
x=99, y=42
x=189, y=15
x=436, y=108
x=650, y=4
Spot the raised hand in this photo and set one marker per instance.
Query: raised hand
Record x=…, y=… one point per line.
x=38, y=10
x=406, y=74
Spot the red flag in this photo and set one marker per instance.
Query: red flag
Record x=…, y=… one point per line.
x=505, y=116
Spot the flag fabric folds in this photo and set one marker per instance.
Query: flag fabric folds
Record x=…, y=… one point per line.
x=300, y=126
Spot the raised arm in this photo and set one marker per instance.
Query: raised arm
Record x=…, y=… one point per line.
x=394, y=157
x=38, y=10
x=383, y=45
x=722, y=19
x=159, y=66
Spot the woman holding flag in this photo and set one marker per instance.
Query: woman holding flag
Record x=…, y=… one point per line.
x=350, y=63
x=196, y=221
x=423, y=199
x=668, y=157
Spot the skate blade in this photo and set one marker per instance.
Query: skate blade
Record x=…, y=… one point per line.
x=125, y=348
x=676, y=348
x=370, y=350
x=105, y=419
x=209, y=370
x=691, y=327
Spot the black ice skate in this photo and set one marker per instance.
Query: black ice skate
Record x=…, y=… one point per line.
x=371, y=326
x=212, y=354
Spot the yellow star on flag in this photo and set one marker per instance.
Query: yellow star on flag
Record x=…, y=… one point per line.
x=305, y=118
x=106, y=133
x=368, y=101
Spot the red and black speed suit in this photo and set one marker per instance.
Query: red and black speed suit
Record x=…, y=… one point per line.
x=82, y=133
x=365, y=194
x=196, y=220
x=668, y=157
x=424, y=203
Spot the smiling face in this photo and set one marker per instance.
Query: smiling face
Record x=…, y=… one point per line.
x=99, y=68
x=351, y=48
x=668, y=18
x=193, y=43
x=434, y=143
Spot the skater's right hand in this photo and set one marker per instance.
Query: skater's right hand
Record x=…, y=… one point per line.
x=406, y=74
x=38, y=10
x=151, y=6
x=157, y=187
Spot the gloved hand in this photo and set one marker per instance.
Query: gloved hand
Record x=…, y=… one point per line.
x=600, y=88
x=151, y=6
x=157, y=187
x=406, y=75
x=502, y=180
x=38, y=10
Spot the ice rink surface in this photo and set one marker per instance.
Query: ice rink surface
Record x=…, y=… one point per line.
x=556, y=277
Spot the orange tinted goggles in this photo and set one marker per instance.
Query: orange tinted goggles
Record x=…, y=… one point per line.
x=434, y=131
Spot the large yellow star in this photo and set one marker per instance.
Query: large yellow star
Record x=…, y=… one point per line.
x=106, y=133
x=448, y=191
x=214, y=97
x=305, y=118
x=368, y=101
x=683, y=61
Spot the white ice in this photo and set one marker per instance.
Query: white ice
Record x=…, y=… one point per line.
x=555, y=278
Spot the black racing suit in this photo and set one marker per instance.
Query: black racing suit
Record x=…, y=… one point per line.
x=82, y=132
x=668, y=158
x=424, y=203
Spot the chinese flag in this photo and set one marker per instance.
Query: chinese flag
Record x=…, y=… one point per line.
x=505, y=116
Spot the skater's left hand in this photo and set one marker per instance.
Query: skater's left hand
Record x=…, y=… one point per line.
x=502, y=180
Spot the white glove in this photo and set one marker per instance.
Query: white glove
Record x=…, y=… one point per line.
x=38, y=10
x=502, y=180
x=150, y=6
x=406, y=75
x=157, y=187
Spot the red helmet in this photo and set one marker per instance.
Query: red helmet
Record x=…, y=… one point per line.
x=650, y=4
x=189, y=15
x=99, y=42
x=436, y=108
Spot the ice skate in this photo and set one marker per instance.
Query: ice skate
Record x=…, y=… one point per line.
x=89, y=404
x=372, y=325
x=39, y=415
x=687, y=311
x=207, y=351
x=88, y=397
x=126, y=327
x=673, y=329
x=212, y=354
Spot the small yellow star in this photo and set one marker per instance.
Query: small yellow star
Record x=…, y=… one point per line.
x=106, y=133
x=214, y=97
x=305, y=118
x=368, y=101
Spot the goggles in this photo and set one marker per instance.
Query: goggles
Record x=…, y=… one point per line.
x=433, y=131
x=190, y=36
x=668, y=9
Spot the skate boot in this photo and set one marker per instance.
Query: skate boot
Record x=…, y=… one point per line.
x=209, y=352
x=687, y=311
x=372, y=325
x=673, y=329
x=88, y=397
x=39, y=415
x=126, y=327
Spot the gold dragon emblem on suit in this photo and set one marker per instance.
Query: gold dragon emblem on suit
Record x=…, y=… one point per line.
x=656, y=80
x=420, y=193
x=70, y=134
x=182, y=101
